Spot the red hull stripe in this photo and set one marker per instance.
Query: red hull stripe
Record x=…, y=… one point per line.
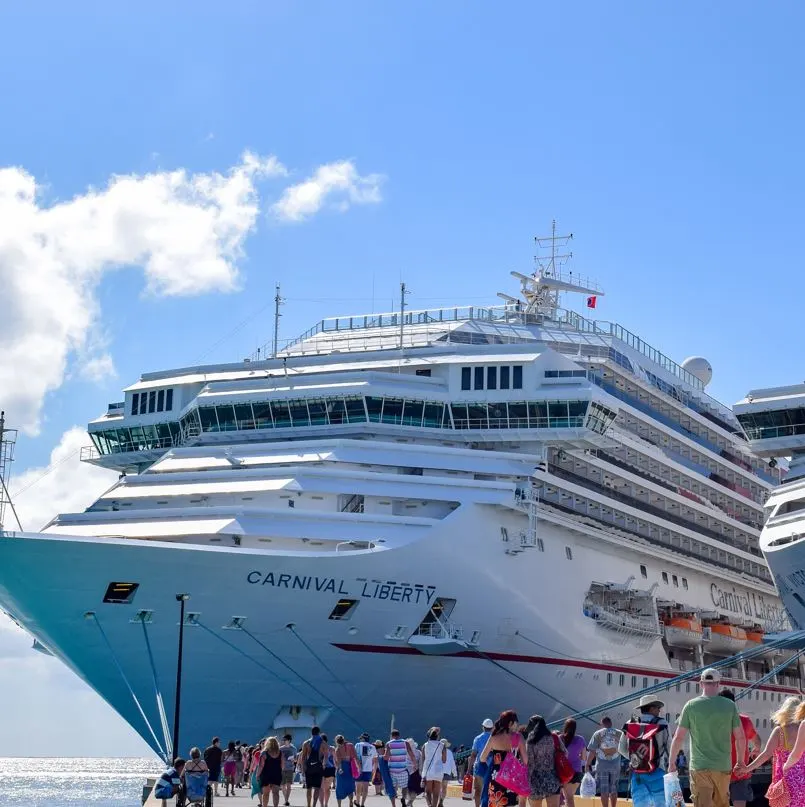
x=547, y=660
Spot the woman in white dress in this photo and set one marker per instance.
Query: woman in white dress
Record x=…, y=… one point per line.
x=434, y=758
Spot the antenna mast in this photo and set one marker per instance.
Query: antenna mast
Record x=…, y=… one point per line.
x=278, y=301
x=8, y=437
x=403, y=292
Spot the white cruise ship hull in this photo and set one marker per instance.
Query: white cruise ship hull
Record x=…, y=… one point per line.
x=536, y=650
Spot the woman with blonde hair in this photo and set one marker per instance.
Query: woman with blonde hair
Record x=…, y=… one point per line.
x=787, y=720
x=269, y=772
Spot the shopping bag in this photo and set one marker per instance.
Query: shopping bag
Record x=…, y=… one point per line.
x=513, y=775
x=587, y=789
x=673, y=790
x=466, y=787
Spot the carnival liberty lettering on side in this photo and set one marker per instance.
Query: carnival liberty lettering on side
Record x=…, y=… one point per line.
x=394, y=592
x=751, y=604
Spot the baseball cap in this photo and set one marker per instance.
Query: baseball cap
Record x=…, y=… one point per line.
x=488, y=723
x=711, y=676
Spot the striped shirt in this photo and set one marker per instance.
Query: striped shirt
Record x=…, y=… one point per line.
x=398, y=755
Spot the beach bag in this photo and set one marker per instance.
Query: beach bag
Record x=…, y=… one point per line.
x=587, y=789
x=513, y=775
x=356, y=771
x=778, y=794
x=564, y=770
x=642, y=744
x=415, y=783
x=673, y=790
x=466, y=787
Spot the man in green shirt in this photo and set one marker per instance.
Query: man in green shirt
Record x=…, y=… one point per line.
x=711, y=722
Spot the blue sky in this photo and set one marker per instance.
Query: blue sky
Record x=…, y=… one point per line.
x=666, y=137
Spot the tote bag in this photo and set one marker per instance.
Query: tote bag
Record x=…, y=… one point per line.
x=564, y=770
x=513, y=775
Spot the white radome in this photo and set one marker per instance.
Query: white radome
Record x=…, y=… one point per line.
x=699, y=367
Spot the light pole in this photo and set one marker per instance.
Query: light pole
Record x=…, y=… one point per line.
x=181, y=599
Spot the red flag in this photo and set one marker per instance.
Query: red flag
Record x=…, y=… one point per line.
x=591, y=301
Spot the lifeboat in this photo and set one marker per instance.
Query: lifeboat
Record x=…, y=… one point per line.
x=726, y=639
x=683, y=632
x=754, y=639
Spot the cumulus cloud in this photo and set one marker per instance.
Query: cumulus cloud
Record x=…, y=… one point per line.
x=186, y=231
x=65, y=485
x=338, y=182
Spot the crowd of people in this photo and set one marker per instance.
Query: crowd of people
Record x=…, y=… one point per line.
x=510, y=763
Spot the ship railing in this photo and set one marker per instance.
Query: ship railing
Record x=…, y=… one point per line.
x=89, y=453
x=444, y=629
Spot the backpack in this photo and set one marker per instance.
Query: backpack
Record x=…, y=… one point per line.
x=644, y=755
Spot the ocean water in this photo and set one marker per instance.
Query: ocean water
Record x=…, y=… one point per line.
x=74, y=781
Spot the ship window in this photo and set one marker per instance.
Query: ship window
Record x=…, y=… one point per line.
x=643, y=571
x=344, y=609
x=684, y=582
x=665, y=578
x=569, y=553
x=609, y=679
x=540, y=545
x=687, y=687
x=517, y=376
x=675, y=580
x=764, y=698
x=479, y=378
x=645, y=683
x=355, y=410
x=152, y=401
x=168, y=400
x=425, y=372
x=634, y=681
x=765, y=723
x=679, y=687
x=504, y=377
x=161, y=400
x=621, y=680
x=491, y=377
x=135, y=404
x=120, y=593
x=466, y=377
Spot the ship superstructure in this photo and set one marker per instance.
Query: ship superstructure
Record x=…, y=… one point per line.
x=515, y=501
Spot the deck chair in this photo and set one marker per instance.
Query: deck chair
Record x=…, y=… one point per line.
x=195, y=784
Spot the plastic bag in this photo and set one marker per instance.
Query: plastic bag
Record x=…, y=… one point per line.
x=587, y=789
x=673, y=790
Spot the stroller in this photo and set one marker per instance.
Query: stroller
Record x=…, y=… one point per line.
x=197, y=790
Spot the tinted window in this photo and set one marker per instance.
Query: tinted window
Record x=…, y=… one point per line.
x=466, y=377
x=504, y=377
x=168, y=400
x=517, y=377
x=491, y=377
x=479, y=378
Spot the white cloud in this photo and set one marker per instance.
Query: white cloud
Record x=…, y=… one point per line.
x=98, y=368
x=186, y=231
x=339, y=181
x=66, y=485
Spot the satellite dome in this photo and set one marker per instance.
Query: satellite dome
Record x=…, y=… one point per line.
x=699, y=366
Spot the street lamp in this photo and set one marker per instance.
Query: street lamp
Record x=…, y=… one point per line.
x=181, y=599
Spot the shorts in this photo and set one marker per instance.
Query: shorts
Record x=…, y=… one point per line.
x=400, y=779
x=313, y=779
x=230, y=768
x=329, y=773
x=648, y=789
x=576, y=780
x=741, y=791
x=287, y=777
x=710, y=788
x=606, y=779
x=366, y=776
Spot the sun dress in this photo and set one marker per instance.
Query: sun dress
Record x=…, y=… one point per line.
x=493, y=794
x=795, y=778
x=542, y=778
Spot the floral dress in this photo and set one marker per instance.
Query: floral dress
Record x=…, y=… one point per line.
x=795, y=778
x=542, y=776
x=493, y=794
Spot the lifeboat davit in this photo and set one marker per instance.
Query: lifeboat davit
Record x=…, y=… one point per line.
x=726, y=639
x=683, y=632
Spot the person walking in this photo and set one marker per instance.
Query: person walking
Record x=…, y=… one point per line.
x=328, y=776
x=434, y=756
x=576, y=747
x=213, y=756
x=504, y=739
x=741, y=784
x=230, y=768
x=778, y=747
x=400, y=758
x=311, y=761
x=269, y=772
x=710, y=721
x=344, y=780
x=367, y=761
x=288, y=751
x=449, y=772
x=541, y=748
x=603, y=749
x=474, y=764
x=644, y=744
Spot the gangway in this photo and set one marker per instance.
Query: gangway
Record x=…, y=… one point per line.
x=793, y=640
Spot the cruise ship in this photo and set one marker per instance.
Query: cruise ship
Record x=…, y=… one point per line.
x=409, y=518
